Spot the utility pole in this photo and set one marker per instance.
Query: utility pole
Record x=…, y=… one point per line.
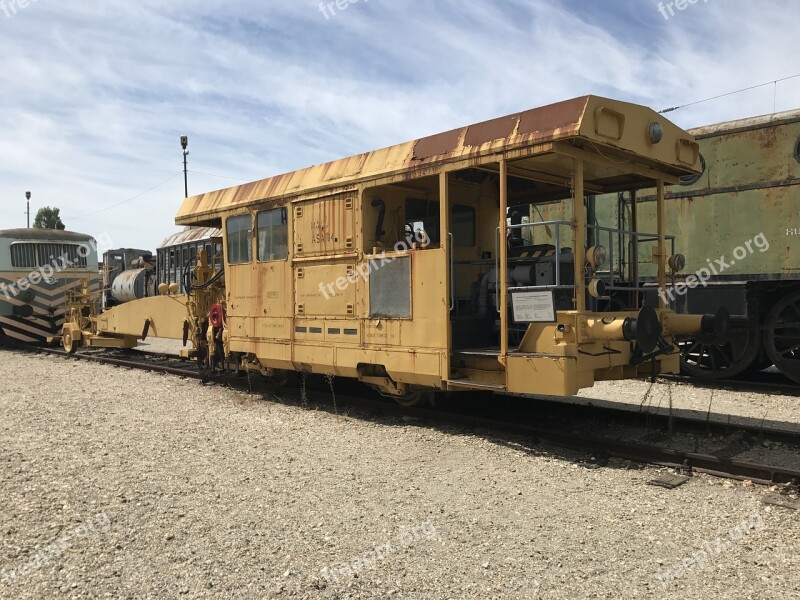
x=185, y=146
x=28, y=199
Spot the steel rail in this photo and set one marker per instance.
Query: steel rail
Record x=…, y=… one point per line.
x=598, y=446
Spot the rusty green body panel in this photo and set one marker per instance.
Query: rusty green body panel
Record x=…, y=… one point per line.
x=750, y=187
x=738, y=225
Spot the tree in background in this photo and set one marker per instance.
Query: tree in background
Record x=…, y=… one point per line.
x=48, y=218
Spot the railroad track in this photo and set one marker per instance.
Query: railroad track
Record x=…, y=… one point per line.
x=562, y=434
x=769, y=383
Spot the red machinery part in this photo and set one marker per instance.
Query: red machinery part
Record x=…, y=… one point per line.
x=216, y=315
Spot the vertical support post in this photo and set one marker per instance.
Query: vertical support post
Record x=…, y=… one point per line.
x=634, y=246
x=447, y=250
x=579, y=218
x=662, y=245
x=185, y=177
x=503, y=274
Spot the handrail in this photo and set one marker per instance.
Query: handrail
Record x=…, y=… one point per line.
x=452, y=272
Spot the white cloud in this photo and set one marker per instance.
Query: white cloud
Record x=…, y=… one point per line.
x=94, y=95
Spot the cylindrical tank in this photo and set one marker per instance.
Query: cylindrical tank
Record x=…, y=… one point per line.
x=130, y=285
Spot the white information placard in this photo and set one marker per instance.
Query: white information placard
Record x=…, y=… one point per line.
x=533, y=307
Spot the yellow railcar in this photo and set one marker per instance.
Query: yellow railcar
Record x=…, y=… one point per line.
x=409, y=268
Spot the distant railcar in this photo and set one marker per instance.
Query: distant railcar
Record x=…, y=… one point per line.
x=39, y=270
x=177, y=254
x=738, y=226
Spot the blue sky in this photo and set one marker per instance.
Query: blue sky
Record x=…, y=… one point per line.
x=95, y=95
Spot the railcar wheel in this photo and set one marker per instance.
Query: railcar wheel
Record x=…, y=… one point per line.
x=782, y=338
x=703, y=358
x=416, y=399
x=69, y=344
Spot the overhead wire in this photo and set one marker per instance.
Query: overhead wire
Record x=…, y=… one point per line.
x=155, y=187
x=774, y=82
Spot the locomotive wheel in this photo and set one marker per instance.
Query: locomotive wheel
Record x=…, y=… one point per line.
x=69, y=344
x=782, y=338
x=703, y=358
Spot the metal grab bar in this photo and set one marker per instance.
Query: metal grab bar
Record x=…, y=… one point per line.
x=452, y=272
x=496, y=269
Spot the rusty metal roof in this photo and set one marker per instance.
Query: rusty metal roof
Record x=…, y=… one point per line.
x=191, y=234
x=738, y=125
x=571, y=119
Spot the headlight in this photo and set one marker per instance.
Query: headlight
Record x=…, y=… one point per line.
x=655, y=132
x=597, y=256
x=597, y=288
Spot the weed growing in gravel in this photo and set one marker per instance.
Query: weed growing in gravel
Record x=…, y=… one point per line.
x=700, y=559
x=98, y=523
x=380, y=552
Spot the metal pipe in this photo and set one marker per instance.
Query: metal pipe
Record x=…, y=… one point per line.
x=662, y=244
x=579, y=218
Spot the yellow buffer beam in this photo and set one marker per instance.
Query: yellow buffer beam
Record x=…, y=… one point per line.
x=166, y=315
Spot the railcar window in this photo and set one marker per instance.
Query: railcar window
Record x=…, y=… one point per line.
x=425, y=212
x=797, y=151
x=218, y=256
x=273, y=235
x=32, y=255
x=462, y=224
x=239, y=246
x=462, y=220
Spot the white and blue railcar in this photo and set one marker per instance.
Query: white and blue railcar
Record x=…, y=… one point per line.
x=39, y=268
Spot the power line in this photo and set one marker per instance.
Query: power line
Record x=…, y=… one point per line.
x=155, y=187
x=752, y=87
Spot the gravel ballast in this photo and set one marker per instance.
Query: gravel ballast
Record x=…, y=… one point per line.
x=779, y=411
x=124, y=484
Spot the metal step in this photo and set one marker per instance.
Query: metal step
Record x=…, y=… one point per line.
x=475, y=384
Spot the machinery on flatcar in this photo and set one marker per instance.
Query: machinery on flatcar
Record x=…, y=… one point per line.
x=130, y=274
x=127, y=275
x=736, y=225
x=400, y=267
x=40, y=269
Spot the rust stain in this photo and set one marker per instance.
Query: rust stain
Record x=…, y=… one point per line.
x=767, y=138
x=544, y=122
x=489, y=131
x=434, y=145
